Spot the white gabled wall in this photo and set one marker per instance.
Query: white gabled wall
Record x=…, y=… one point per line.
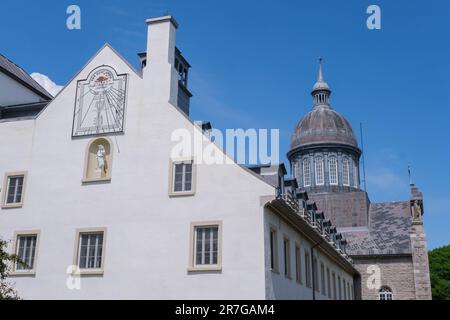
x=148, y=233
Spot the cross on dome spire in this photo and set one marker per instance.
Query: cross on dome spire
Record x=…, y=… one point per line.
x=321, y=91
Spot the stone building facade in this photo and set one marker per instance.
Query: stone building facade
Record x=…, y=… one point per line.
x=386, y=241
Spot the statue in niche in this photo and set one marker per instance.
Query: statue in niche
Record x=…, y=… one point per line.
x=101, y=160
x=417, y=211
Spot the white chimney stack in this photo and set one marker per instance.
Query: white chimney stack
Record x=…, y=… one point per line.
x=160, y=76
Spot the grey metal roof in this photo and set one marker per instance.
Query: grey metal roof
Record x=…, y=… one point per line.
x=17, y=73
x=388, y=232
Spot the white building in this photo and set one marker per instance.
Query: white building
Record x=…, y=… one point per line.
x=92, y=194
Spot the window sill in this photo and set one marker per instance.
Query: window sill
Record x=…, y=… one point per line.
x=181, y=194
x=87, y=181
x=205, y=269
x=12, y=206
x=30, y=273
x=86, y=272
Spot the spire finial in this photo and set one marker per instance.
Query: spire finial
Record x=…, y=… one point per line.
x=321, y=92
x=320, y=77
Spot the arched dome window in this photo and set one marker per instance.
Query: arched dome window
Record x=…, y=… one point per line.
x=306, y=166
x=385, y=293
x=346, y=172
x=355, y=176
x=320, y=181
x=332, y=163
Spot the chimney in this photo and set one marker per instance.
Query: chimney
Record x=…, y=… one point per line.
x=159, y=74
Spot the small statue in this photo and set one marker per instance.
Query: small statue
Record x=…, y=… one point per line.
x=101, y=159
x=417, y=211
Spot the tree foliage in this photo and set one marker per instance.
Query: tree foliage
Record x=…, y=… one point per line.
x=440, y=273
x=7, y=292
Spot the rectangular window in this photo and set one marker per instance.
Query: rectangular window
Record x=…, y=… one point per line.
x=26, y=247
x=90, y=250
x=334, y=287
x=287, y=258
x=206, y=246
x=298, y=265
x=322, y=279
x=273, y=250
x=14, y=186
x=329, y=284
x=182, y=178
x=348, y=291
x=344, y=287
x=316, y=275
x=308, y=270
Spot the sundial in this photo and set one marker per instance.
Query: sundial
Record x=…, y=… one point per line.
x=100, y=103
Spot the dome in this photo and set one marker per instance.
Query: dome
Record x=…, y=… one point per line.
x=323, y=125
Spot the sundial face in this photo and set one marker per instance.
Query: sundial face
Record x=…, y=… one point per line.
x=100, y=103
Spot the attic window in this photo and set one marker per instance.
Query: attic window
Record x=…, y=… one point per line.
x=182, y=71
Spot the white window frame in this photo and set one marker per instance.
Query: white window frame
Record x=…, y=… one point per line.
x=322, y=279
x=334, y=286
x=287, y=257
x=346, y=172
x=308, y=270
x=193, y=266
x=17, y=235
x=333, y=170
x=8, y=176
x=298, y=264
x=172, y=175
x=306, y=168
x=330, y=295
x=273, y=250
x=76, y=258
x=319, y=170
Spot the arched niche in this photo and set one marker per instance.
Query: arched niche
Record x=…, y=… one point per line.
x=98, y=160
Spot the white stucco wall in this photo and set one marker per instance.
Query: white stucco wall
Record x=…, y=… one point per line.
x=148, y=233
x=278, y=286
x=12, y=92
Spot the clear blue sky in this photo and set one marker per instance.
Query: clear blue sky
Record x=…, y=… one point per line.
x=254, y=63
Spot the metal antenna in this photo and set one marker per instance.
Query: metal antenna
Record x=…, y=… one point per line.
x=363, y=158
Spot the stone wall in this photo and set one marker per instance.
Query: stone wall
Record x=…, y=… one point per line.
x=420, y=262
x=396, y=273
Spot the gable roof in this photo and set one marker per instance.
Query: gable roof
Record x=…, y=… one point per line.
x=17, y=73
x=388, y=232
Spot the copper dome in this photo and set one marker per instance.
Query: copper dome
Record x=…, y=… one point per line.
x=323, y=125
